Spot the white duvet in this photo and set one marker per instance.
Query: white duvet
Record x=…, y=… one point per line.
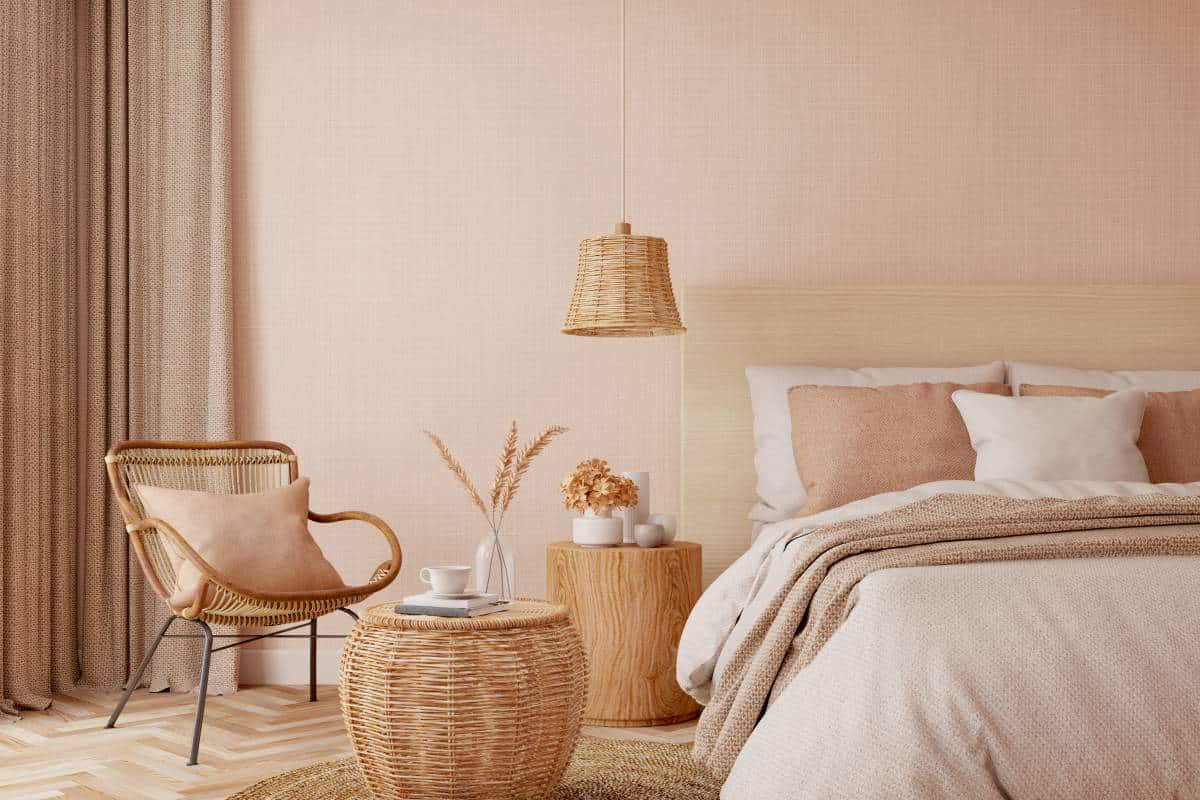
x=868, y=717
x=728, y=607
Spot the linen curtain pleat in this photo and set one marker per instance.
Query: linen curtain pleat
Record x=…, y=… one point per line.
x=38, y=438
x=116, y=317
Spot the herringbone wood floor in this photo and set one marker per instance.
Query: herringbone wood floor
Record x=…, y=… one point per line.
x=65, y=752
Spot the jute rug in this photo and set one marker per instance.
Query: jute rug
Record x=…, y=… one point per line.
x=601, y=769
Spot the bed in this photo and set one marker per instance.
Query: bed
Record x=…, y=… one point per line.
x=1028, y=638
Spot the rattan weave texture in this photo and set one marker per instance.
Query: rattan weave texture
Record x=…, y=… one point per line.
x=230, y=468
x=472, y=709
x=623, y=288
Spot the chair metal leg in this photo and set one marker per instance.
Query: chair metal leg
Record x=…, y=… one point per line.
x=136, y=678
x=203, y=690
x=206, y=661
x=312, y=660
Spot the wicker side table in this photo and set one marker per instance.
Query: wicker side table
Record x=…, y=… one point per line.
x=471, y=709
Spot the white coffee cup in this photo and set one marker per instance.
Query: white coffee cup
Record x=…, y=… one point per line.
x=449, y=579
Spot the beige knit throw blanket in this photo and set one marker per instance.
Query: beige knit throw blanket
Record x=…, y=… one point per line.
x=945, y=529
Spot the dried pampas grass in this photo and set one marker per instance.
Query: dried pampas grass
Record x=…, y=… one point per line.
x=456, y=468
x=504, y=467
x=529, y=452
x=510, y=469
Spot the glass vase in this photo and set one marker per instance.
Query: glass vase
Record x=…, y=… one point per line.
x=496, y=565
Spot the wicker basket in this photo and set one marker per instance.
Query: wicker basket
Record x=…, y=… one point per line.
x=479, y=708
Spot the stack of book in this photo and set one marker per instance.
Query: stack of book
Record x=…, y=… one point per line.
x=431, y=605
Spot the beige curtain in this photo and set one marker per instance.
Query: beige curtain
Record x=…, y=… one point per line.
x=38, y=440
x=116, y=316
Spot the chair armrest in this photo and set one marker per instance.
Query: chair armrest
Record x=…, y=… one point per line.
x=215, y=578
x=393, y=566
x=155, y=526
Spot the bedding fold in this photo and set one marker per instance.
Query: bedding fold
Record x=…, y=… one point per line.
x=827, y=565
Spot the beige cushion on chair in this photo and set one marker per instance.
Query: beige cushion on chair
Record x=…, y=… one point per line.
x=260, y=542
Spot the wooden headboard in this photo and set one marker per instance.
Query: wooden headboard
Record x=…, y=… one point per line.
x=1099, y=327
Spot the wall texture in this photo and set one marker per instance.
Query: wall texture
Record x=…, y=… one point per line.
x=412, y=179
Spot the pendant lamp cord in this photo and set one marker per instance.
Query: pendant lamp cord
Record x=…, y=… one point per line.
x=623, y=111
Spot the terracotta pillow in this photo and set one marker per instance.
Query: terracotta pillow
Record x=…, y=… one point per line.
x=1170, y=438
x=259, y=541
x=852, y=442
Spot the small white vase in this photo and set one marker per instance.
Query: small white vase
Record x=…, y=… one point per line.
x=640, y=513
x=628, y=517
x=596, y=530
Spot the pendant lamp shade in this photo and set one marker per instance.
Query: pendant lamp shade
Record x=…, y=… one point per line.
x=623, y=283
x=623, y=288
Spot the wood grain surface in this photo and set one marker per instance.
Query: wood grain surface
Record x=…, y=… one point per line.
x=66, y=752
x=730, y=328
x=629, y=604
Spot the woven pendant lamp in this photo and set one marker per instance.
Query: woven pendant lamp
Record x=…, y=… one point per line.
x=623, y=282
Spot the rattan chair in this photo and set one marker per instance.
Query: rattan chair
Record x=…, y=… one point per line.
x=229, y=468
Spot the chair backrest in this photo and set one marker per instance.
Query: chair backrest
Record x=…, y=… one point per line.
x=219, y=467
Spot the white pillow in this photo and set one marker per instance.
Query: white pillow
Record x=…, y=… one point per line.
x=780, y=488
x=1055, y=438
x=1149, y=380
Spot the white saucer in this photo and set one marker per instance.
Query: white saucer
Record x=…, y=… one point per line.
x=456, y=595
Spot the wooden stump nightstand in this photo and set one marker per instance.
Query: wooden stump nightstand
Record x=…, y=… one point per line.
x=629, y=604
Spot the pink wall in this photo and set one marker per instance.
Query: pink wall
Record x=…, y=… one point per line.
x=412, y=179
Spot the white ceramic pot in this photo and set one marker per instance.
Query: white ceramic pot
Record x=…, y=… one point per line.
x=596, y=530
x=668, y=524
x=648, y=535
